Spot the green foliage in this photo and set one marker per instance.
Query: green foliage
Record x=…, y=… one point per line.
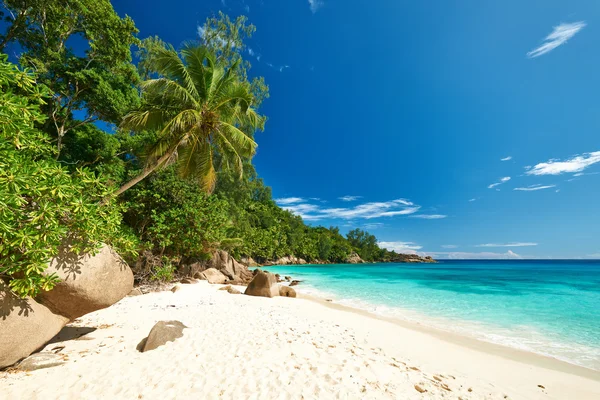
x=42, y=205
x=365, y=245
x=174, y=217
x=226, y=39
x=201, y=111
x=164, y=272
x=98, y=82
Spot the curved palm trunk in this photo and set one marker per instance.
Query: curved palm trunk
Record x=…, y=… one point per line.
x=147, y=171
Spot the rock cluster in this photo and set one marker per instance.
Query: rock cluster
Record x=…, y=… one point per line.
x=88, y=283
x=221, y=268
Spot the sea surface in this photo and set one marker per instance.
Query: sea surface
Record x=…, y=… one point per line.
x=547, y=307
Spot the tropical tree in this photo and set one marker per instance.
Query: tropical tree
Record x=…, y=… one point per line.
x=80, y=50
x=202, y=113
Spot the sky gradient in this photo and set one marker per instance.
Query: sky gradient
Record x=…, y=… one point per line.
x=467, y=129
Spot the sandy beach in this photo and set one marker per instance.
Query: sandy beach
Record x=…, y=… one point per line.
x=239, y=347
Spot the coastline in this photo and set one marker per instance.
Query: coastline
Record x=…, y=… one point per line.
x=472, y=343
x=240, y=346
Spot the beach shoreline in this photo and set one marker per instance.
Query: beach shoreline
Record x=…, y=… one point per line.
x=240, y=346
x=504, y=351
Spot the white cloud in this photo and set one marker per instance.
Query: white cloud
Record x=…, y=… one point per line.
x=312, y=212
x=449, y=246
x=349, y=198
x=559, y=36
x=509, y=255
x=502, y=180
x=506, y=158
x=400, y=247
x=534, y=187
x=472, y=200
x=315, y=5
x=573, y=165
x=517, y=244
x=429, y=216
x=289, y=200
x=374, y=225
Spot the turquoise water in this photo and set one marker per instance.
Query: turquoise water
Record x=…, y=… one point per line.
x=548, y=307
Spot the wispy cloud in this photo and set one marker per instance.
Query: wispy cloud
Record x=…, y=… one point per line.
x=313, y=212
x=400, y=247
x=472, y=200
x=315, y=5
x=572, y=165
x=428, y=216
x=559, y=36
x=349, y=198
x=509, y=255
x=449, y=246
x=534, y=188
x=514, y=244
x=506, y=158
x=502, y=180
x=374, y=225
x=289, y=200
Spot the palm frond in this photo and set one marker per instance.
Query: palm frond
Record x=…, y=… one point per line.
x=166, y=90
x=246, y=145
x=199, y=61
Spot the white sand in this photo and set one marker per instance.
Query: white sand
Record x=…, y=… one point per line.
x=241, y=347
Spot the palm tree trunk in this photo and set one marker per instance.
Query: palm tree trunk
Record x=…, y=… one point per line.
x=147, y=171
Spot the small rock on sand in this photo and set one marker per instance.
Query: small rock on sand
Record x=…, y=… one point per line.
x=287, y=291
x=420, y=389
x=176, y=288
x=161, y=333
x=135, y=292
x=40, y=361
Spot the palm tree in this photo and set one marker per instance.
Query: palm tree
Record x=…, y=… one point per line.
x=201, y=111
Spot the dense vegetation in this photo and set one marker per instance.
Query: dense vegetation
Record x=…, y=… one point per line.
x=153, y=158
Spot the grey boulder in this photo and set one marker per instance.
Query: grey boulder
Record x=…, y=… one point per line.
x=161, y=333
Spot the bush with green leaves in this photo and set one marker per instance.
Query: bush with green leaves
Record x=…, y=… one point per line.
x=175, y=217
x=42, y=204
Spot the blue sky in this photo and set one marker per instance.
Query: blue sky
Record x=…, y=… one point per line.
x=465, y=129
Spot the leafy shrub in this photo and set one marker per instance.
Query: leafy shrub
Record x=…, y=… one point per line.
x=164, y=272
x=42, y=205
x=174, y=217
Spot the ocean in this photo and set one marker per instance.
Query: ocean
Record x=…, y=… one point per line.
x=546, y=307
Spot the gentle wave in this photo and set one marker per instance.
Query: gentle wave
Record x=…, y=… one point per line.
x=525, y=338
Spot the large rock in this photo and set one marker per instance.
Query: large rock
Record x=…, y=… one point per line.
x=161, y=333
x=286, y=291
x=354, y=259
x=213, y=276
x=222, y=262
x=264, y=284
x=88, y=283
x=228, y=266
x=25, y=326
